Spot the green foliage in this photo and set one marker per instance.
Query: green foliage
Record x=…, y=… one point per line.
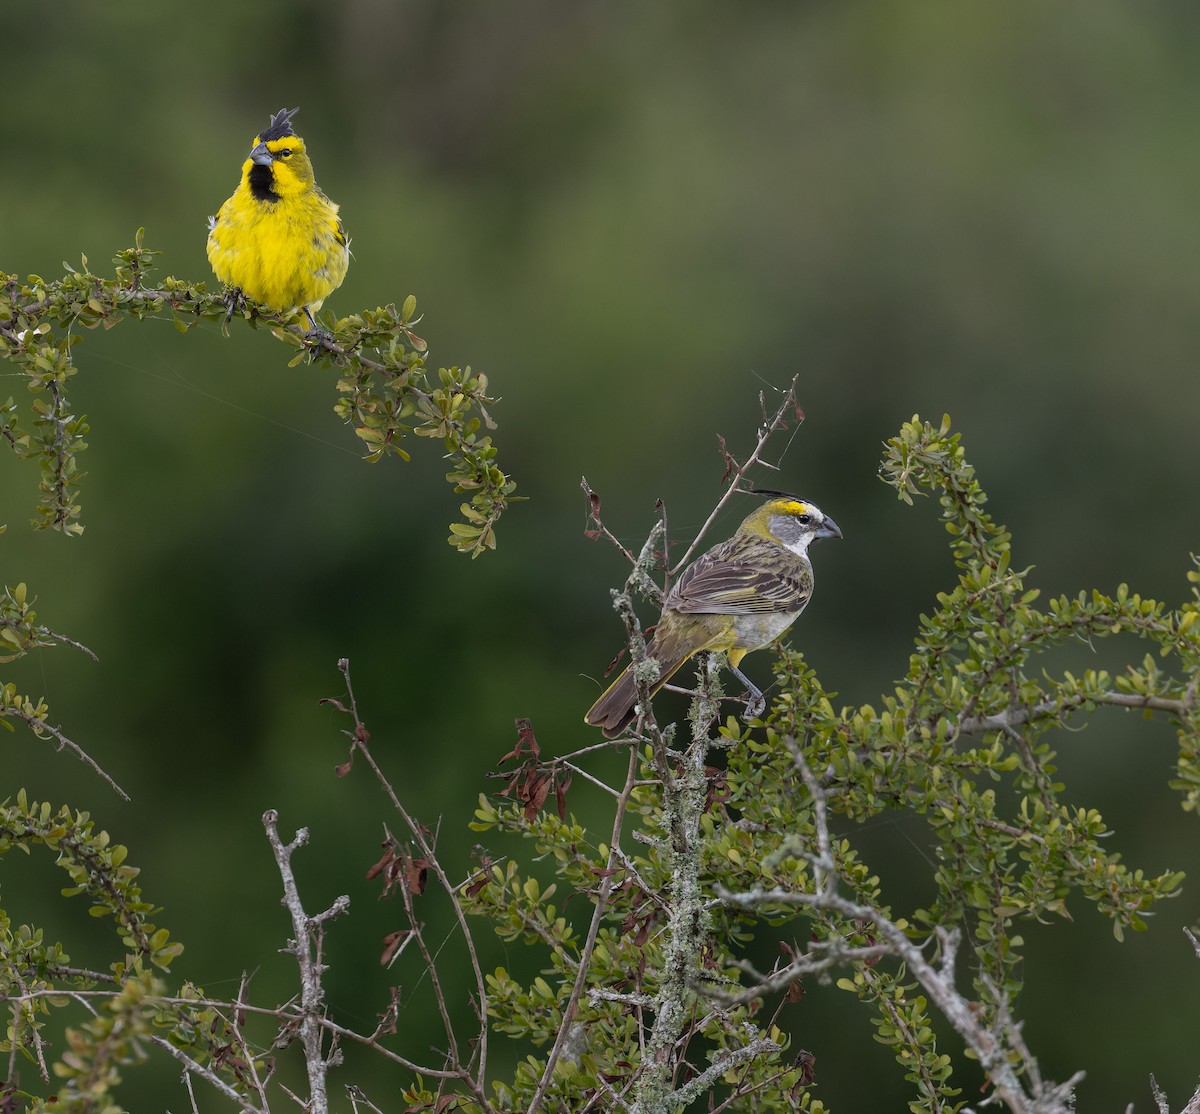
x=963, y=741
x=97, y=869
x=643, y=991
x=18, y=635
x=37, y=977
x=125, y=1007
x=386, y=391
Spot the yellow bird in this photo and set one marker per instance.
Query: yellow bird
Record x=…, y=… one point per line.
x=279, y=239
x=739, y=596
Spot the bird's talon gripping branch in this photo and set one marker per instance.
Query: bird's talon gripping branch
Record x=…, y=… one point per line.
x=316, y=337
x=235, y=303
x=755, y=706
x=739, y=596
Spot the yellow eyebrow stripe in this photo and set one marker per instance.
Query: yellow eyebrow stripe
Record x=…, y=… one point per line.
x=292, y=141
x=794, y=506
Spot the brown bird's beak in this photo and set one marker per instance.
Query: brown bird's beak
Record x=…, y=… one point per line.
x=261, y=155
x=829, y=529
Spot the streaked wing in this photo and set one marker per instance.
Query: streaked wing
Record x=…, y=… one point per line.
x=731, y=588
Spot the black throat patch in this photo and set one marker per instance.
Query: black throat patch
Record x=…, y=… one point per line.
x=262, y=183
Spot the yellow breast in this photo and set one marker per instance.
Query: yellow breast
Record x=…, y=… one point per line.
x=283, y=254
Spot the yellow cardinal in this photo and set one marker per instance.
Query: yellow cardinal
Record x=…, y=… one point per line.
x=278, y=239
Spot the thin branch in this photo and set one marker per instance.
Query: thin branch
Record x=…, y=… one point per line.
x=40, y=728
x=308, y=939
x=699, y=1084
x=601, y=785
x=823, y=866
x=1052, y=709
x=17, y=1025
x=787, y=410
x=430, y=965
x=820, y=956
x=192, y=1067
x=594, y=514
x=603, y=896
x=360, y=736
x=990, y=1046
x=599, y=994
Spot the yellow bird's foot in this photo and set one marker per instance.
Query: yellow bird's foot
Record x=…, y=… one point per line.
x=316, y=336
x=235, y=302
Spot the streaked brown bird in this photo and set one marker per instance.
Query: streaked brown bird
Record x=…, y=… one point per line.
x=739, y=596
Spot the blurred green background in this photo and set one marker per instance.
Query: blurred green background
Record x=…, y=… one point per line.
x=634, y=218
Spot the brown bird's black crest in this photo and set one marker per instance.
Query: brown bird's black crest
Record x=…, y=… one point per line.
x=776, y=494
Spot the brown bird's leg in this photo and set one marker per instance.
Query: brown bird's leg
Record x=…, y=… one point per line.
x=757, y=702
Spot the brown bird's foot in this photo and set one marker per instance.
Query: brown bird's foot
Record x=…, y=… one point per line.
x=756, y=703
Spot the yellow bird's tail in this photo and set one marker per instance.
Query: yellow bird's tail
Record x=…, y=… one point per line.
x=615, y=709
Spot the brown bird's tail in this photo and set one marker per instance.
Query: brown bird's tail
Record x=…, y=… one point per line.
x=615, y=709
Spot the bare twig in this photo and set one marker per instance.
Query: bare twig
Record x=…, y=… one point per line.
x=594, y=514
x=823, y=866
x=679, y=1098
x=430, y=967
x=787, y=410
x=472, y=1074
x=192, y=1067
x=40, y=728
x=1051, y=709
x=356, y=1096
x=990, y=1046
x=18, y=1024
x=307, y=948
x=821, y=955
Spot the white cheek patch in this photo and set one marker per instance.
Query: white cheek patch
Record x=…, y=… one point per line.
x=800, y=546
